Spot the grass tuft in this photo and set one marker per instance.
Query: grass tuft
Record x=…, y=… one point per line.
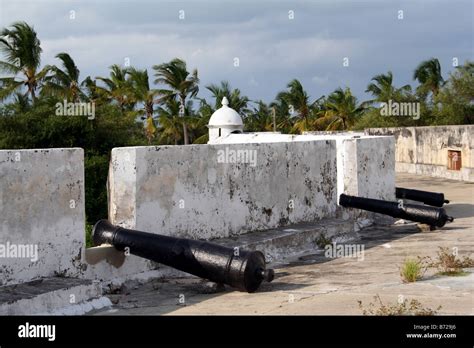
x=413, y=270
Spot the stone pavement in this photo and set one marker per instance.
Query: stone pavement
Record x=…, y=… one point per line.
x=316, y=285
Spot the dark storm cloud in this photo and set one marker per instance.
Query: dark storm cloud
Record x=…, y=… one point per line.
x=271, y=48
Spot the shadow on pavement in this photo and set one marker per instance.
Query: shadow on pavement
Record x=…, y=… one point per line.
x=460, y=210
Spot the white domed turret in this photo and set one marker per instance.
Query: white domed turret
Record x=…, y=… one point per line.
x=224, y=121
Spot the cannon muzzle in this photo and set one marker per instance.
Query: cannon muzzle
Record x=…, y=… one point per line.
x=241, y=269
x=419, y=213
x=431, y=198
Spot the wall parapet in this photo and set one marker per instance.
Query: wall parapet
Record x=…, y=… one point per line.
x=431, y=150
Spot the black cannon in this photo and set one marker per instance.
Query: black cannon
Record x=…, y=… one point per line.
x=435, y=217
x=430, y=198
x=244, y=270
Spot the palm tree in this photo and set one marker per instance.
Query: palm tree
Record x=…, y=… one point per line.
x=170, y=123
x=341, y=110
x=21, y=48
x=142, y=93
x=117, y=87
x=383, y=90
x=181, y=84
x=297, y=98
x=200, y=122
x=261, y=118
x=282, y=115
x=236, y=101
x=64, y=83
x=298, y=102
x=428, y=74
x=21, y=103
x=91, y=91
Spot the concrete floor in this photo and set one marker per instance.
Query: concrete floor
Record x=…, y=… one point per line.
x=315, y=285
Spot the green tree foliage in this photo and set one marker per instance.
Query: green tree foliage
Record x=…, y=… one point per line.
x=262, y=118
x=341, y=110
x=454, y=104
x=180, y=84
x=297, y=100
x=428, y=74
x=117, y=89
x=22, y=50
x=39, y=127
x=383, y=90
x=64, y=83
x=236, y=101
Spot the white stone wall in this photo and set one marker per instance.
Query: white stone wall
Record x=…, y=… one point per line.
x=365, y=164
x=185, y=191
x=375, y=167
x=42, y=209
x=424, y=150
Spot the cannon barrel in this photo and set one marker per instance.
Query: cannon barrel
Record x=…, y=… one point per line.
x=430, y=198
x=241, y=269
x=419, y=213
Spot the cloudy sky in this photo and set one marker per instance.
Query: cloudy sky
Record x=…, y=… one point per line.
x=274, y=41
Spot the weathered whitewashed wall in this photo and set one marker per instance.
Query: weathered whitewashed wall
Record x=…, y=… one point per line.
x=424, y=150
x=368, y=171
x=42, y=210
x=375, y=163
x=185, y=191
x=365, y=164
x=42, y=206
x=180, y=190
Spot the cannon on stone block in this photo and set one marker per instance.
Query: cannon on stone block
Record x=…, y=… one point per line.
x=430, y=198
x=435, y=217
x=241, y=269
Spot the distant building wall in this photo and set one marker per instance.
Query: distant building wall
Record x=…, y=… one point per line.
x=434, y=151
x=42, y=213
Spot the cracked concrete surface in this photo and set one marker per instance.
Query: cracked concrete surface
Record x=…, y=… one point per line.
x=315, y=285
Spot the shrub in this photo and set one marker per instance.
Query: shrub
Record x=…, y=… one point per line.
x=412, y=307
x=448, y=263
